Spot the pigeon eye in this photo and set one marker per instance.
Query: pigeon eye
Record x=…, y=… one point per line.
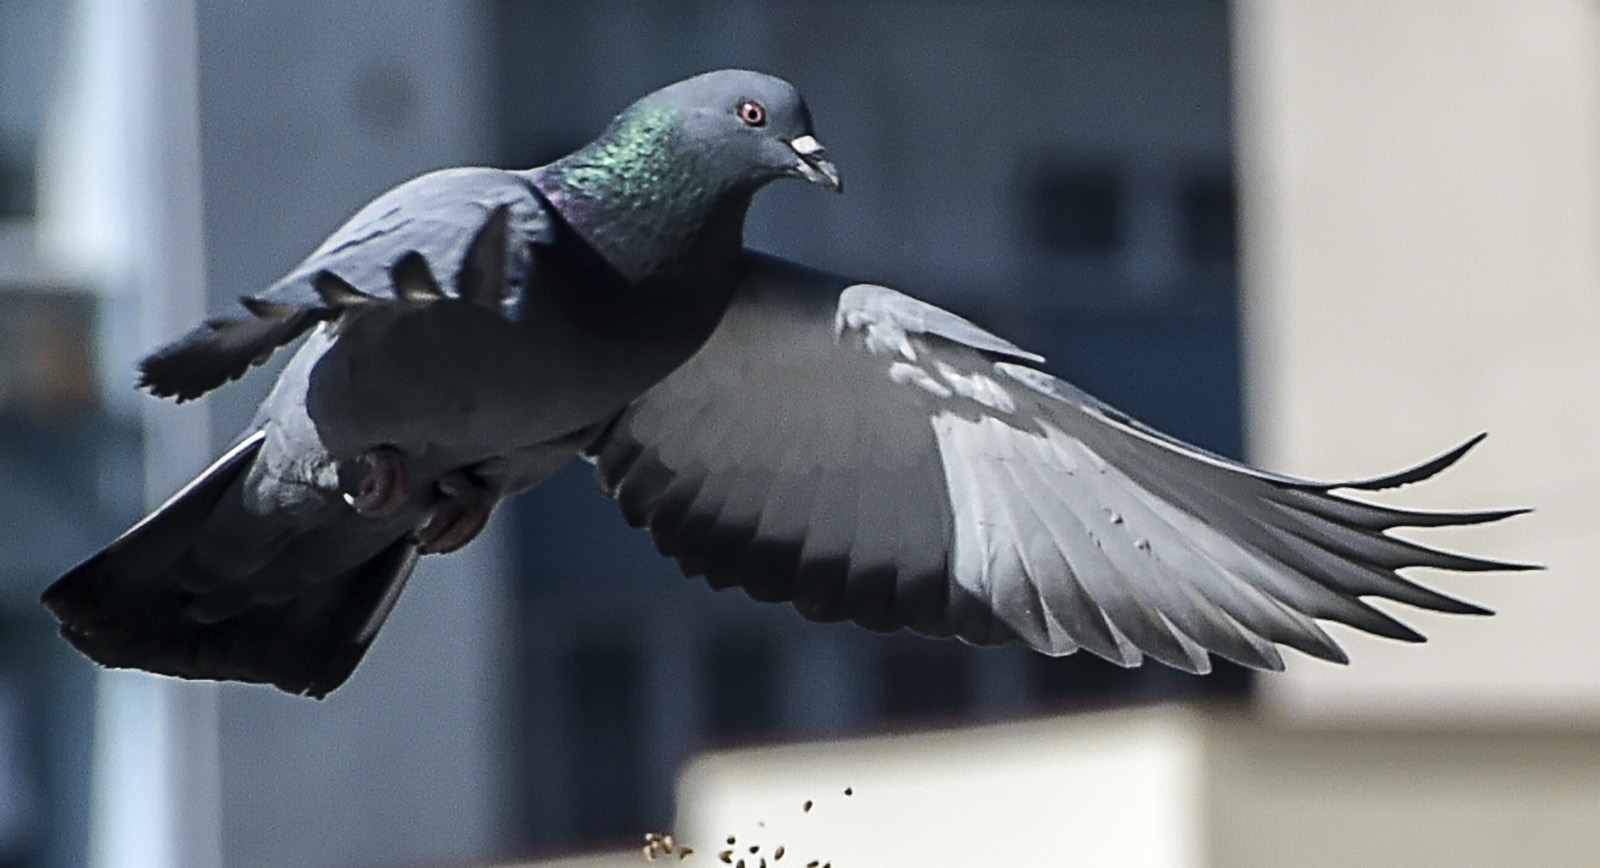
x=753, y=114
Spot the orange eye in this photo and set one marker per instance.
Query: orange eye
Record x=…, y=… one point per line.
x=754, y=114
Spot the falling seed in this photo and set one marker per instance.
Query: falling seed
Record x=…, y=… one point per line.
x=761, y=824
x=754, y=849
x=685, y=853
x=730, y=840
x=806, y=807
x=649, y=851
x=763, y=862
x=739, y=864
x=726, y=856
x=666, y=843
x=849, y=791
x=811, y=864
x=778, y=853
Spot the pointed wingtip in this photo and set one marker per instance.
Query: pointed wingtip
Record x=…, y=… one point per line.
x=1418, y=473
x=1491, y=515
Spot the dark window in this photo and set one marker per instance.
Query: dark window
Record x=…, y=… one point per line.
x=1083, y=678
x=1080, y=677
x=923, y=678
x=605, y=729
x=1076, y=211
x=1209, y=220
x=16, y=185
x=741, y=698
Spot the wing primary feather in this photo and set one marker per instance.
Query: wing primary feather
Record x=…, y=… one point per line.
x=1414, y=474
x=1262, y=558
x=968, y=612
x=1120, y=594
x=641, y=489
x=1379, y=550
x=482, y=278
x=1008, y=567
x=1091, y=624
x=1124, y=607
x=733, y=529
x=1137, y=539
x=266, y=309
x=1242, y=599
x=780, y=535
x=1190, y=589
x=336, y=292
x=1069, y=611
x=694, y=533
x=1374, y=517
x=670, y=511
x=1355, y=578
x=869, y=589
x=825, y=555
x=922, y=561
x=413, y=279
x=614, y=460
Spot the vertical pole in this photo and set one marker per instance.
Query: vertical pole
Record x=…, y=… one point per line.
x=121, y=184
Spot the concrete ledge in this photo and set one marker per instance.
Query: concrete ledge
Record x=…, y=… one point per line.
x=1161, y=787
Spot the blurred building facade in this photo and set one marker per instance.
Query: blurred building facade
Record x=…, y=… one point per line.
x=69, y=468
x=1062, y=172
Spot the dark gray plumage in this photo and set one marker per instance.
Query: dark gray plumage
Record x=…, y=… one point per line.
x=876, y=459
x=842, y=446
x=470, y=331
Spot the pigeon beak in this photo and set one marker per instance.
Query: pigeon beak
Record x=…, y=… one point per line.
x=814, y=164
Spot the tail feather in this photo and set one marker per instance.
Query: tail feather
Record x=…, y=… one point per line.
x=223, y=349
x=134, y=604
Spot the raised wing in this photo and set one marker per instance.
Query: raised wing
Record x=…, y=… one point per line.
x=460, y=233
x=870, y=457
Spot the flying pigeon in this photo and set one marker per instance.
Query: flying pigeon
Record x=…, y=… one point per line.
x=810, y=438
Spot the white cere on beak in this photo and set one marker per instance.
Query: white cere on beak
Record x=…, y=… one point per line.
x=806, y=145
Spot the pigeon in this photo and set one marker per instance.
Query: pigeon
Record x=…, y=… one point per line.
x=470, y=331
x=813, y=439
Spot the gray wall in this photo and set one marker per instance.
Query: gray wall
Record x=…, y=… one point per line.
x=309, y=109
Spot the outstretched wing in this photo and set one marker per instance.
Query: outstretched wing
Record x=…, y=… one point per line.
x=470, y=228
x=871, y=457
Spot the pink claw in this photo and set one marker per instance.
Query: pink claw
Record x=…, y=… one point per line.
x=386, y=487
x=460, y=516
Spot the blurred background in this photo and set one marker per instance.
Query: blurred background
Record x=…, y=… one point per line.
x=1331, y=238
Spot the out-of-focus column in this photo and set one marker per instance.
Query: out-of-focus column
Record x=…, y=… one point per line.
x=121, y=209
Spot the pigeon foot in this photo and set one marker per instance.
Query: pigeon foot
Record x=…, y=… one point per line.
x=461, y=515
x=387, y=486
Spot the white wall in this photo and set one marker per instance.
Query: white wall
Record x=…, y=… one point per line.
x=1421, y=215
x=1160, y=787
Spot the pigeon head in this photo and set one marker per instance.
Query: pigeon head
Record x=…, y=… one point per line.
x=747, y=128
x=666, y=187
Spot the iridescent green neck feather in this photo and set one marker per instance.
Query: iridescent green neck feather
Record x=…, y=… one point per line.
x=646, y=199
